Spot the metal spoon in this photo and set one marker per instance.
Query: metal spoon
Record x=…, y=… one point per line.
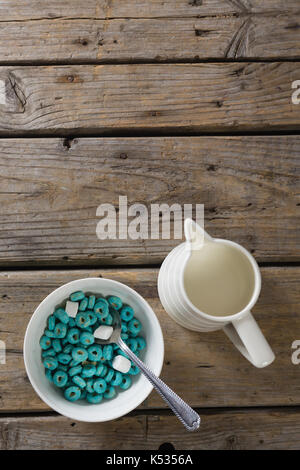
x=182, y=410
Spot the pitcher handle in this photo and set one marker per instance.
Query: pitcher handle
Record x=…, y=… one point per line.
x=249, y=340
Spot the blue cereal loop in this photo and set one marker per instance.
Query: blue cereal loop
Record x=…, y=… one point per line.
x=108, y=320
x=68, y=349
x=60, y=378
x=101, y=308
x=50, y=363
x=62, y=315
x=91, y=302
x=141, y=343
x=49, y=333
x=132, y=344
x=134, y=370
x=83, y=304
x=94, y=352
x=76, y=296
x=87, y=338
x=115, y=302
x=64, y=358
x=88, y=370
x=109, y=375
x=126, y=382
x=103, y=372
x=76, y=370
x=100, y=386
x=94, y=398
x=73, y=335
x=45, y=342
x=72, y=393
x=134, y=326
x=116, y=379
x=51, y=322
x=126, y=313
x=49, y=352
x=57, y=345
x=79, y=381
x=82, y=320
x=89, y=385
x=79, y=354
x=92, y=317
x=121, y=353
x=110, y=393
x=107, y=352
x=74, y=363
x=60, y=330
x=99, y=369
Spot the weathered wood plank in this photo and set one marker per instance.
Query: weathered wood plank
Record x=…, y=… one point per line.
x=126, y=40
x=106, y=9
x=51, y=188
x=106, y=98
x=205, y=369
x=226, y=430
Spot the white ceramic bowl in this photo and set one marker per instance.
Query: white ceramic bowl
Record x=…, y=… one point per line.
x=126, y=400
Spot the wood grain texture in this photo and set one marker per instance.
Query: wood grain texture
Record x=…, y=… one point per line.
x=51, y=188
x=204, y=368
x=106, y=98
x=107, y=9
x=226, y=430
x=168, y=98
x=131, y=39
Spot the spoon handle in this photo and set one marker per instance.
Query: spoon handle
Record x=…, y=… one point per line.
x=182, y=410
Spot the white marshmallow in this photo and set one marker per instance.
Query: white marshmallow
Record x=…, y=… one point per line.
x=103, y=332
x=122, y=364
x=71, y=308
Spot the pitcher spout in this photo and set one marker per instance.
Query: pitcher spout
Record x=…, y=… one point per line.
x=195, y=235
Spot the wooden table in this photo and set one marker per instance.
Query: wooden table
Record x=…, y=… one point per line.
x=176, y=101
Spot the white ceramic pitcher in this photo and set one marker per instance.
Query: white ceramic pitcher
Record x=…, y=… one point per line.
x=240, y=327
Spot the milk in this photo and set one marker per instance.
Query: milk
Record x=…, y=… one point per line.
x=219, y=279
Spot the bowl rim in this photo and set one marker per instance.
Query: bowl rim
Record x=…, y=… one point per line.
x=146, y=391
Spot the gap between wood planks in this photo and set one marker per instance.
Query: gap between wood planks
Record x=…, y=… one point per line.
x=76, y=267
x=69, y=135
x=165, y=411
x=137, y=61
x=240, y=14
